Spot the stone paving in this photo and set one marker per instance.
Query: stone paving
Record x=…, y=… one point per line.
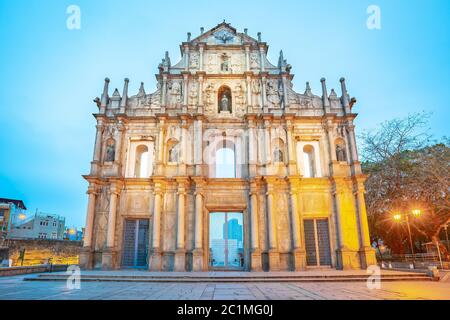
x=14, y=288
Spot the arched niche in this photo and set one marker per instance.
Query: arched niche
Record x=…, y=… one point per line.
x=341, y=150
x=278, y=150
x=224, y=99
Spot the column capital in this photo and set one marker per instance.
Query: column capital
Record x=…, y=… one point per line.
x=92, y=190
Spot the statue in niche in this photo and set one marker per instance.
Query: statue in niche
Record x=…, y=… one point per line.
x=110, y=152
x=224, y=99
x=340, y=153
x=193, y=94
x=225, y=104
x=278, y=155
x=175, y=93
x=173, y=153
x=256, y=86
x=225, y=65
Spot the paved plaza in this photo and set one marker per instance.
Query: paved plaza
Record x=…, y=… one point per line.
x=12, y=288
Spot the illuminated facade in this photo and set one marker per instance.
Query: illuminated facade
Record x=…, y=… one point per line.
x=225, y=138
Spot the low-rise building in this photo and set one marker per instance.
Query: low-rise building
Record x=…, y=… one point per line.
x=39, y=226
x=10, y=211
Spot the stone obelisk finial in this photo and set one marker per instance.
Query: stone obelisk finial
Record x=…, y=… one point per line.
x=123, y=102
x=326, y=102
x=105, y=97
x=344, y=97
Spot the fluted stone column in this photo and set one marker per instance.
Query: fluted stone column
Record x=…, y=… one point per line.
x=164, y=92
x=198, y=145
x=352, y=140
x=274, y=255
x=292, y=150
x=247, y=57
x=263, y=93
x=86, y=253
x=201, y=49
x=109, y=255
x=185, y=88
x=255, y=263
x=161, y=138
x=348, y=246
x=298, y=252
x=90, y=217
x=156, y=258
x=267, y=142
x=180, y=254
x=261, y=58
x=367, y=253
x=252, y=152
x=200, y=93
x=97, y=147
x=198, y=236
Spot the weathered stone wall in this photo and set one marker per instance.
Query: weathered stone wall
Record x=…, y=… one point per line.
x=38, y=251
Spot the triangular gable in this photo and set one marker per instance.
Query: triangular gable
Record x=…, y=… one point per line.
x=223, y=34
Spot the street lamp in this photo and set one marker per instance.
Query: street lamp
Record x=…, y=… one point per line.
x=398, y=217
x=416, y=212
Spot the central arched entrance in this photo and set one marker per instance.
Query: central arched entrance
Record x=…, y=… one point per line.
x=226, y=241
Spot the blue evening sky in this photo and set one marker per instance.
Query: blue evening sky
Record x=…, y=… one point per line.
x=49, y=74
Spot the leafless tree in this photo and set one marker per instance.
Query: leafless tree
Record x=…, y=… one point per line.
x=406, y=170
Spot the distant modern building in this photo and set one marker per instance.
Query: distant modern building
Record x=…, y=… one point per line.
x=10, y=210
x=39, y=226
x=233, y=230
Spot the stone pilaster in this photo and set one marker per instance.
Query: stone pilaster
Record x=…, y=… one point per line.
x=348, y=247
x=298, y=250
x=110, y=253
x=156, y=257
x=274, y=255
x=161, y=137
x=255, y=259
x=366, y=252
x=292, y=150
x=180, y=253
x=198, y=252
x=86, y=254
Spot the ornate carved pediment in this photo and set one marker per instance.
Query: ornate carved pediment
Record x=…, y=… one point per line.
x=224, y=34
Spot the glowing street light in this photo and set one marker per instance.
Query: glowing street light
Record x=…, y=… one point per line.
x=398, y=217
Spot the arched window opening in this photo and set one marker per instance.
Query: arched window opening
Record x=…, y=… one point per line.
x=341, y=153
x=141, y=166
x=110, y=152
x=309, y=162
x=224, y=99
x=225, y=163
x=278, y=150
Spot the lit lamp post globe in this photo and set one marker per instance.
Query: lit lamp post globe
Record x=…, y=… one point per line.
x=398, y=217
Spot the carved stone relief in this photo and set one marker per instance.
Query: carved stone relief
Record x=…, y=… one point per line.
x=273, y=94
x=174, y=93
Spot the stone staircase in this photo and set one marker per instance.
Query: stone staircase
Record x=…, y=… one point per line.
x=231, y=277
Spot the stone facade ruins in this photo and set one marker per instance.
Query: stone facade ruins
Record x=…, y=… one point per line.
x=155, y=179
